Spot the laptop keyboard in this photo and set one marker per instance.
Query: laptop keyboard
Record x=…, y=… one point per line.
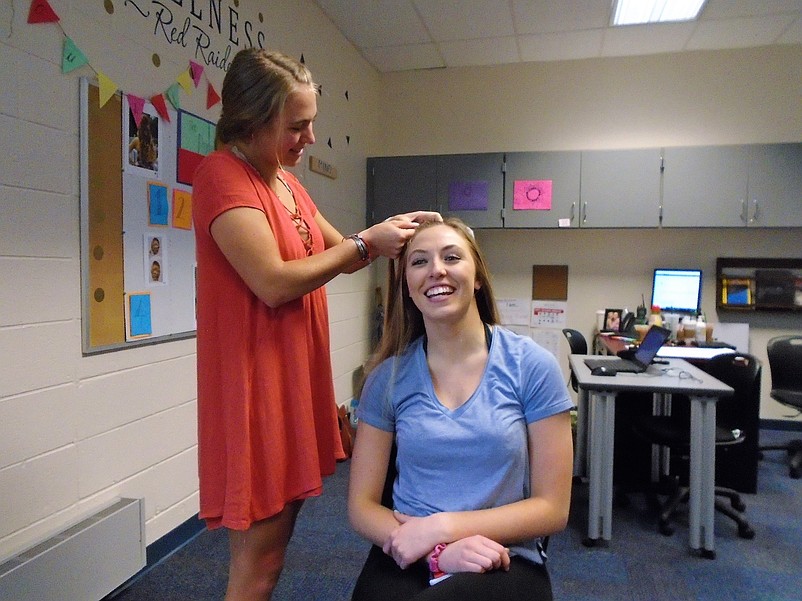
x=622, y=365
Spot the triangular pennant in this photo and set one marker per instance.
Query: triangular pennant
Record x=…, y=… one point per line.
x=137, y=105
x=42, y=12
x=71, y=57
x=107, y=88
x=172, y=94
x=196, y=70
x=212, y=97
x=160, y=106
x=185, y=81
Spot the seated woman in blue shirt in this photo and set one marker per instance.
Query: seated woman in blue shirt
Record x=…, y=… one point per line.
x=479, y=417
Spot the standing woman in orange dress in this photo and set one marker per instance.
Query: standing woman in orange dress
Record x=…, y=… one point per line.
x=267, y=422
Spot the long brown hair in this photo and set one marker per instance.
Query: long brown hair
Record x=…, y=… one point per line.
x=255, y=88
x=403, y=321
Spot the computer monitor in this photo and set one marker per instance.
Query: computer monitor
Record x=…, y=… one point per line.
x=677, y=290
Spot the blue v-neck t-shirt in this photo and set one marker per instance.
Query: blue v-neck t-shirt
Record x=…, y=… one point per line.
x=475, y=457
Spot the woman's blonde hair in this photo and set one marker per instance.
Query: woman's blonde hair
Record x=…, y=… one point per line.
x=255, y=89
x=403, y=321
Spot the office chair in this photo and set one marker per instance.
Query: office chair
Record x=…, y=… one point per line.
x=578, y=346
x=785, y=364
x=738, y=370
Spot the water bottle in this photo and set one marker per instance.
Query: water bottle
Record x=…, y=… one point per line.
x=701, y=329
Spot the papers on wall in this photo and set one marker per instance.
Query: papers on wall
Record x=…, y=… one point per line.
x=548, y=314
x=514, y=311
x=541, y=320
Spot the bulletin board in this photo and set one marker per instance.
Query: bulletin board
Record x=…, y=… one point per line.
x=137, y=243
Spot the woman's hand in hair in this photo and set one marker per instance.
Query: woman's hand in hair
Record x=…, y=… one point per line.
x=417, y=216
x=387, y=239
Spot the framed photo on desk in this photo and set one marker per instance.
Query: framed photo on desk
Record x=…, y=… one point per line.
x=612, y=320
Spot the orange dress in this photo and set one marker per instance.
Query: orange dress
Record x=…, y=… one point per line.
x=267, y=420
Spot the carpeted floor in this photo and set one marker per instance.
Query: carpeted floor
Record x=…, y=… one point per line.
x=325, y=556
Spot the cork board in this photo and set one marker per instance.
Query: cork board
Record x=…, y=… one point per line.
x=550, y=282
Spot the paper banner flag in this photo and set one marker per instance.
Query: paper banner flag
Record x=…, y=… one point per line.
x=212, y=97
x=71, y=57
x=137, y=104
x=160, y=106
x=42, y=12
x=107, y=88
x=173, y=97
x=185, y=81
x=196, y=70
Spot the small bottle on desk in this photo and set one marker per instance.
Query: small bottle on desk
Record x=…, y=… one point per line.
x=701, y=329
x=655, y=317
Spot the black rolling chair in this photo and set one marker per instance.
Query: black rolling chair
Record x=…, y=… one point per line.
x=578, y=346
x=738, y=370
x=785, y=363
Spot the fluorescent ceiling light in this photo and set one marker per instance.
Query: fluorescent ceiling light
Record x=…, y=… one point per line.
x=634, y=12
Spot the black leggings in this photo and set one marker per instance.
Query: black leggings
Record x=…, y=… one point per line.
x=382, y=580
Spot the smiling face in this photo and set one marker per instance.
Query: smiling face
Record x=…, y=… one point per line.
x=282, y=141
x=441, y=273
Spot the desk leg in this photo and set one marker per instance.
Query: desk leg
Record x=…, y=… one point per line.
x=581, y=450
x=702, y=477
x=602, y=436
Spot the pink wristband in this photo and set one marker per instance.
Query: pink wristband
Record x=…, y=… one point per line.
x=434, y=560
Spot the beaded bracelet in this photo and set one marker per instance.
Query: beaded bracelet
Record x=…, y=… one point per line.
x=361, y=246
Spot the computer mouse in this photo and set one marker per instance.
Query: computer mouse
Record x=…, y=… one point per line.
x=602, y=370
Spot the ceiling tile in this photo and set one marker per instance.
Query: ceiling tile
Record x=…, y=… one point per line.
x=738, y=33
x=550, y=17
x=404, y=58
x=792, y=35
x=465, y=20
x=561, y=46
x=730, y=9
x=490, y=51
x=372, y=23
x=648, y=39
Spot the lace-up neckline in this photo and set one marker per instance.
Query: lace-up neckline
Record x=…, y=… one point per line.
x=298, y=220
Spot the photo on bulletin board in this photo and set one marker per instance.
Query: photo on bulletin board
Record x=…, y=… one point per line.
x=612, y=320
x=138, y=322
x=158, y=205
x=155, y=254
x=141, y=135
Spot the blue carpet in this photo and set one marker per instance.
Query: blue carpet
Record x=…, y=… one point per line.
x=325, y=556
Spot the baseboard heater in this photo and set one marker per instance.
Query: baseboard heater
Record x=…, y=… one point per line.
x=84, y=562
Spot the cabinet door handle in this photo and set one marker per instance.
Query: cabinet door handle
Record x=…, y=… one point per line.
x=573, y=211
x=744, y=208
x=756, y=212
x=585, y=212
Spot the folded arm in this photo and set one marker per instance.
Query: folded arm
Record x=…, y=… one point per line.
x=543, y=513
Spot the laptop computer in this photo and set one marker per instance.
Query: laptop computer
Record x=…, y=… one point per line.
x=654, y=339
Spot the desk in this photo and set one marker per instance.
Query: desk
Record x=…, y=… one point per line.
x=736, y=466
x=596, y=432
x=611, y=345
